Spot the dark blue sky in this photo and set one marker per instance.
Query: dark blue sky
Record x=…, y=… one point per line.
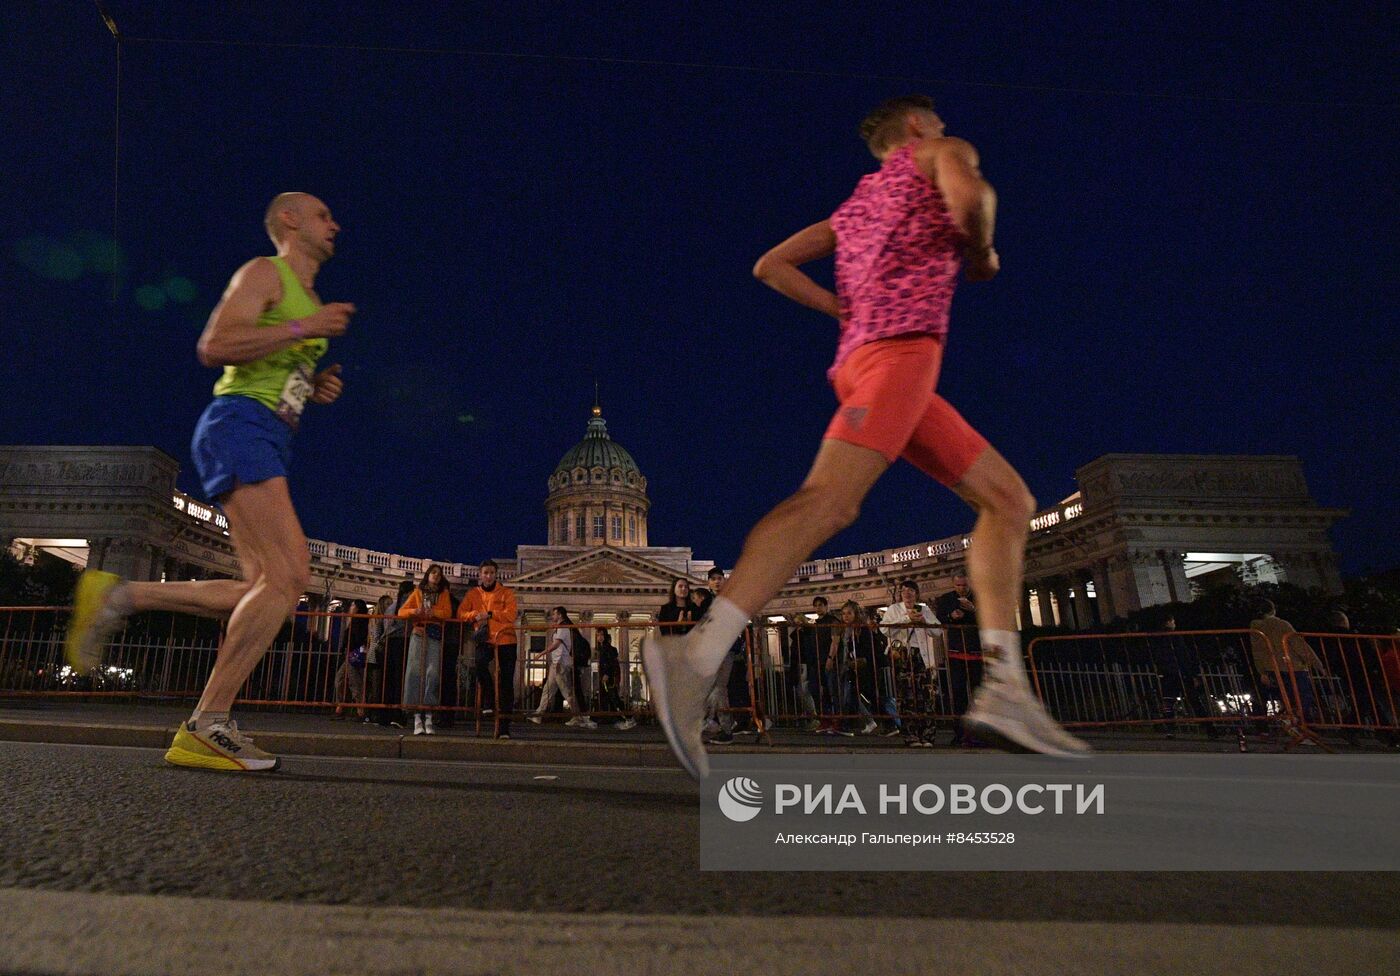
x=1213, y=274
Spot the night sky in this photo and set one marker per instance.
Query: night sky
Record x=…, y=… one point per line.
x=1198, y=215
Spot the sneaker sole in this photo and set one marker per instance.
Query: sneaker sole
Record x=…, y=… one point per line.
x=195, y=760
x=1013, y=736
x=697, y=768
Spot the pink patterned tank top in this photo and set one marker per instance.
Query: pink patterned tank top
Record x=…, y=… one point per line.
x=898, y=252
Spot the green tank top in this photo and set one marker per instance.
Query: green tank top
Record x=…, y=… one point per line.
x=264, y=379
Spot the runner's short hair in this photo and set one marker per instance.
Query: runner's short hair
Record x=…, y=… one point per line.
x=488, y=562
x=882, y=125
x=283, y=201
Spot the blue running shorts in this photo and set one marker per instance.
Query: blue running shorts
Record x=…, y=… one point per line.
x=238, y=441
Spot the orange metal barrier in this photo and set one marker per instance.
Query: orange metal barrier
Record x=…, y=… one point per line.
x=1215, y=679
x=619, y=691
x=149, y=658
x=356, y=664
x=897, y=680
x=1346, y=683
x=309, y=666
x=904, y=679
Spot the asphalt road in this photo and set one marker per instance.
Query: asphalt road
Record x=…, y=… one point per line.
x=589, y=842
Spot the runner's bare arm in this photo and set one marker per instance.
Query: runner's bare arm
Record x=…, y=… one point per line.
x=953, y=164
x=779, y=268
x=233, y=336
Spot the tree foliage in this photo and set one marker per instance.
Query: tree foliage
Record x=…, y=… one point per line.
x=48, y=582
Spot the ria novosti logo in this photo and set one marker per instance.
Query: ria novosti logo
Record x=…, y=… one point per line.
x=740, y=799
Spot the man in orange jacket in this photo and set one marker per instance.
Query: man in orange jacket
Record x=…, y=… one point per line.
x=493, y=603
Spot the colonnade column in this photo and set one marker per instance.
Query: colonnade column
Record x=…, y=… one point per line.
x=1083, y=609
x=1043, y=599
x=1103, y=591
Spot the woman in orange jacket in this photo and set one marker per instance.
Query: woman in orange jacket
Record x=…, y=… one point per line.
x=422, y=675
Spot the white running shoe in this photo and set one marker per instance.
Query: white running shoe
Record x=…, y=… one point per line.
x=678, y=694
x=584, y=722
x=870, y=727
x=428, y=725
x=219, y=746
x=536, y=719
x=417, y=724
x=574, y=722
x=626, y=725
x=1008, y=715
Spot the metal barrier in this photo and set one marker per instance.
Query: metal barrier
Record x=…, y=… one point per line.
x=160, y=656
x=1346, y=683
x=144, y=661
x=1214, y=679
x=877, y=679
x=907, y=679
x=617, y=689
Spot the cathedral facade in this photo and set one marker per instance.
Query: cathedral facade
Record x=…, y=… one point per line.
x=1141, y=530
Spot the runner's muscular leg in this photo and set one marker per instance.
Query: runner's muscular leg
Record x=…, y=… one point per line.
x=996, y=558
x=947, y=448
x=828, y=501
x=272, y=545
x=204, y=598
x=883, y=389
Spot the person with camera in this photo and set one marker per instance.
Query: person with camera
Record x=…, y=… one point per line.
x=915, y=646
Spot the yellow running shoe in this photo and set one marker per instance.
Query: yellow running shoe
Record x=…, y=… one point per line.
x=220, y=746
x=93, y=620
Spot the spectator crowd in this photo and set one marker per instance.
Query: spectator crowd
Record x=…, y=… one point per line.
x=905, y=671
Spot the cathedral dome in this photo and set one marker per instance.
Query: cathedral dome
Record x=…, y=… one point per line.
x=597, y=494
x=596, y=450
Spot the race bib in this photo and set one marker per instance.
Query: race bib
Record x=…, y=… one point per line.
x=294, y=395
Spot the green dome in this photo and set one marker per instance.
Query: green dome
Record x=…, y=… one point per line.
x=597, y=450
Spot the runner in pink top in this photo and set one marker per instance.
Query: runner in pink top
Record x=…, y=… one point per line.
x=899, y=242
x=897, y=256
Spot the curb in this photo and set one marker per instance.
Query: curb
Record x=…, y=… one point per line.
x=71, y=733
x=443, y=747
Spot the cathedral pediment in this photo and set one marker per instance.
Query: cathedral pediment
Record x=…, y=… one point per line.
x=603, y=566
x=599, y=572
